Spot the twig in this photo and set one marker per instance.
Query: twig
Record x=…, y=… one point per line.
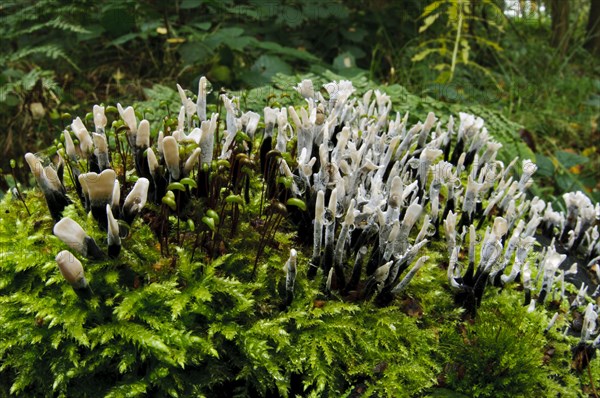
x=590, y=374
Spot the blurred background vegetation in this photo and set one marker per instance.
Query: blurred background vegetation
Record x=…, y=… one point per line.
x=534, y=63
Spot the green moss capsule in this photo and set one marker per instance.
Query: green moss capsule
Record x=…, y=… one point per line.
x=213, y=214
x=176, y=185
x=237, y=199
x=169, y=200
x=189, y=182
x=297, y=203
x=210, y=222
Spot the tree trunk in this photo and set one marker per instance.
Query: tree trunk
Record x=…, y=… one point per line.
x=592, y=41
x=559, y=10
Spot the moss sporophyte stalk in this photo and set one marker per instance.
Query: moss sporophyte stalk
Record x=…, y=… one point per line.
x=329, y=249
